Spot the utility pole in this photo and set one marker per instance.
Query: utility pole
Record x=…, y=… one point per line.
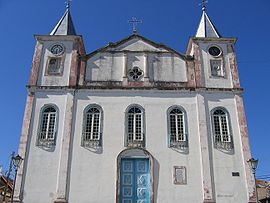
x=8, y=174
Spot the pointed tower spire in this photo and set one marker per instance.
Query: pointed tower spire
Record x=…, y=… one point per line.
x=206, y=27
x=65, y=25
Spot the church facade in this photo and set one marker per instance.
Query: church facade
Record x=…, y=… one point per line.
x=134, y=122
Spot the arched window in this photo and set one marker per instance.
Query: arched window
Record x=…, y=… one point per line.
x=177, y=128
x=91, y=136
x=135, y=127
x=47, y=128
x=221, y=128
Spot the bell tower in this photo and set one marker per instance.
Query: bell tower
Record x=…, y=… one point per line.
x=56, y=70
x=214, y=55
x=56, y=55
x=216, y=75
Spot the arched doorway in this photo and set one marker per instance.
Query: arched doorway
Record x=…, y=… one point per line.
x=135, y=176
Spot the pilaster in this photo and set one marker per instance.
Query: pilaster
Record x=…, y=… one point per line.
x=74, y=65
x=208, y=187
x=125, y=61
x=64, y=170
x=198, y=63
x=23, y=147
x=245, y=147
x=233, y=66
x=36, y=64
x=146, y=71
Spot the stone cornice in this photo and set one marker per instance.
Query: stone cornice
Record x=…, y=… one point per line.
x=238, y=91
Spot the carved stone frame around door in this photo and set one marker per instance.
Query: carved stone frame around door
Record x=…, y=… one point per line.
x=135, y=153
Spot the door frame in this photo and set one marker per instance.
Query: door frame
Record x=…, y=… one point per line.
x=135, y=153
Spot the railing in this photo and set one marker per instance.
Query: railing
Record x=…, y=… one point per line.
x=176, y=143
x=221, y=143
x=91, y=140
x=46, y=139
x=132, y=142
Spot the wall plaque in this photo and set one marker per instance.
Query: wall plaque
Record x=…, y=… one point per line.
x=179, y=175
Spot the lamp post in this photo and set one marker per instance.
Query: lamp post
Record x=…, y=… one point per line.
x=253, y=163
x=17, y=160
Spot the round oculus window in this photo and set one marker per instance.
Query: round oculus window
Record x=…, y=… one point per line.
x=57, y=49
x=135, y=73
x=214, y=51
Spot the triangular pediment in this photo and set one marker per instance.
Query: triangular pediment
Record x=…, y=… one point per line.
x=136, y=43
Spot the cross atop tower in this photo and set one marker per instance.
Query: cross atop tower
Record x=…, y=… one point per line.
x=68, y=4
x=203, y=4
x=134, y=23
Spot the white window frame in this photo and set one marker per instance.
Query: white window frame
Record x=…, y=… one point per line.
x=177, y=142
x=89, y=138
x=222, y=140
x=49, y=139
x=135, y=142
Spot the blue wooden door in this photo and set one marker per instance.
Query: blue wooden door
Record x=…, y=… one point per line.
x=134, y=181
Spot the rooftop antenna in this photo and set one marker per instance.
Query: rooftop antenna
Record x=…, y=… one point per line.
x=134, y=23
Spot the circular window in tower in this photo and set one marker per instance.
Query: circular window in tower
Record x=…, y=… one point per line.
x=135, y=73
x=214, y=51
x=57, y=49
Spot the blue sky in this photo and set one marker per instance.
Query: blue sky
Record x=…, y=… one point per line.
x=171, y=22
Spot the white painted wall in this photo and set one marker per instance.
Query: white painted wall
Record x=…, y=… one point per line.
x=62, y=80
x=98, y=171
x=227, y=187
x=162, y=65
x=42, y=166
x=215, y=82
x=166, y=67
x=93, y=175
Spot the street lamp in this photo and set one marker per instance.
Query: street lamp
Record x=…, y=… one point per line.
x=17, y=160
x=253, y=163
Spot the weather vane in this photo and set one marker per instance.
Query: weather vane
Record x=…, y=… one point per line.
x=203, y=4
x=134, y=23
x=68, y=4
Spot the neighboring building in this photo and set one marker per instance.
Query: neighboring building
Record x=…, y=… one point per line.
x=4, y=182
x=134, y=121
x=263, y=188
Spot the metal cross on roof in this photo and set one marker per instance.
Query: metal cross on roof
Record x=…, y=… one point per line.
x=134, y=22
x=203, y=4
x=68, y=4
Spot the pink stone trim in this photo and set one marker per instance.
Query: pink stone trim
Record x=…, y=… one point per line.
x=198, y=67
x=63, y=170
x=245, y=146
x=208, y=189
x=233, y=67
x=82, y=65
x=77, y=67
x=74, y=65
x=190, y=74
x=35, y=64
x=24, y=139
